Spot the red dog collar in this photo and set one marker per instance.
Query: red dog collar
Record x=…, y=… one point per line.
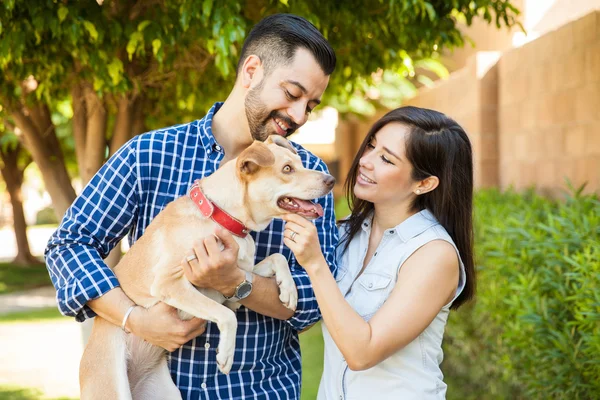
x=211, y=210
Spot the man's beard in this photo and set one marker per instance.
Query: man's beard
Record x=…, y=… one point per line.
x=259, y=118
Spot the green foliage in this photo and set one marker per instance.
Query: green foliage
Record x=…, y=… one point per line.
x=534, y=331
x=14, y=278
x=43, y=314
x=17, y=393
x=46, y=216
x=311, y=346
x=342, y=209
x=182, y=54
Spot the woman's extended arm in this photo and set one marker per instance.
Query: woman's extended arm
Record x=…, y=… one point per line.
x=426, y=282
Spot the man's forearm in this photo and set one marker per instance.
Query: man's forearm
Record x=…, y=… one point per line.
x=112, y=306
x=264, y=299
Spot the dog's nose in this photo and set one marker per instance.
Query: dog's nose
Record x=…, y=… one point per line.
x=329, y=181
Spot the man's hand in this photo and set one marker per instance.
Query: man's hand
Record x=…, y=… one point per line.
x=160, y=325
x=215, y=268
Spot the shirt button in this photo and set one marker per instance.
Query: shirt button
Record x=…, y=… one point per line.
x=392, y=232
x=370, y=285
x=217, y=147
x=203, y=386
x=207, y=345
x=374, y=255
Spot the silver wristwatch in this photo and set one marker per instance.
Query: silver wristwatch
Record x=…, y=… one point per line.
x=242, y=290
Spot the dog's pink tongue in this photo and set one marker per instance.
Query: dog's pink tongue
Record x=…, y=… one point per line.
x=309, y=206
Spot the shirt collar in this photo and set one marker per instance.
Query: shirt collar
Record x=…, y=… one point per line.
x=409, y=228
x=415, y=225
x=205, y=128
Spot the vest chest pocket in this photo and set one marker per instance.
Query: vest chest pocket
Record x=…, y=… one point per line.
x=370, y=292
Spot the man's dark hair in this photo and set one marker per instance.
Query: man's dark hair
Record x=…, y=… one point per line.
x=276, y=38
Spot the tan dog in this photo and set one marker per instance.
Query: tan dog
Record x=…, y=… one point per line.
x=267, y=180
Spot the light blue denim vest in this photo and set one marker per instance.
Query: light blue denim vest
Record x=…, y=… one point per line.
x=414, y=371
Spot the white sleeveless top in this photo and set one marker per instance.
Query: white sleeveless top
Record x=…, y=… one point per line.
x=414, y=371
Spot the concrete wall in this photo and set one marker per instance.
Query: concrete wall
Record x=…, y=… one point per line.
x=470, y=96
x=549, y=109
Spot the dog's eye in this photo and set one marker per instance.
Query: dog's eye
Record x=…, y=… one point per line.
x=288, y=169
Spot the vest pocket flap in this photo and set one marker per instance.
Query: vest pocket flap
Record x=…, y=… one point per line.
x=375, y=281
x=340, y=273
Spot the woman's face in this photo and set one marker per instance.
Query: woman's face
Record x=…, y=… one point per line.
x=384, y=173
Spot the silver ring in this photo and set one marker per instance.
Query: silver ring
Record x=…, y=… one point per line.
x=191, y=258
x=293, y=235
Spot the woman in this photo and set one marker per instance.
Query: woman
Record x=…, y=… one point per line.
x=405, y=259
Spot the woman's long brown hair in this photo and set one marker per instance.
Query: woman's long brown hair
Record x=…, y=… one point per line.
x=435, y=146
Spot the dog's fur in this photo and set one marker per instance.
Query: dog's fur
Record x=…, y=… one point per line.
x=116, y=365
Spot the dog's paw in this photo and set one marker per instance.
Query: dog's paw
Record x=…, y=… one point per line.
x=288, y=295
x=224, y=361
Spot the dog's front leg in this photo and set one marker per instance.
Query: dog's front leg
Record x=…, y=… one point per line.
x=181, y=294
x=276, y=264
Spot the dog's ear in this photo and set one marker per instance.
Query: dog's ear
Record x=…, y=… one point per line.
x=280, y=141
x=254, y=157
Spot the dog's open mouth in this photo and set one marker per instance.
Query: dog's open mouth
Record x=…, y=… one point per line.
x=305, y=208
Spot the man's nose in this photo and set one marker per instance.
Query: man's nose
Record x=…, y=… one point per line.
x=297, y=113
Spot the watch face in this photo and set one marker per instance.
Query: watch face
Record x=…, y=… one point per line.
x=244, y=290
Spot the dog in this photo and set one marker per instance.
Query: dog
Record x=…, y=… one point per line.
x=265, y=181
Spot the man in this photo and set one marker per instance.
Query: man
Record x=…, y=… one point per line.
x=283, y=71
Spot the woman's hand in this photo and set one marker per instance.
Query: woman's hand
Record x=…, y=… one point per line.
x=161, y=326
x=300, y=235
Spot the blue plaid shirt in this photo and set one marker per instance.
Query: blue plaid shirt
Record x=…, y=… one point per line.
x=135, y=184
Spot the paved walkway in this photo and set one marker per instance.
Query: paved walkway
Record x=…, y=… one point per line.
x=28, y=300
x=43, y=354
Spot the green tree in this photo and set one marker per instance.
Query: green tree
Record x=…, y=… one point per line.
x=13, y=161
x=128, y=65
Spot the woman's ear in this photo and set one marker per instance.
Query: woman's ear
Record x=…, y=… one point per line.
x=426, y=185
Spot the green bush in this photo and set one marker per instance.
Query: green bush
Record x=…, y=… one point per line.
x=534, y=330
x=46, y=216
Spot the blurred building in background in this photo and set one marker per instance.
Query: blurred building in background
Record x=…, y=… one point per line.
x=530, y=101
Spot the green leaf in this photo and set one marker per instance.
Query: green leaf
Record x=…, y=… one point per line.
x=62, y=13
x=142, y=25
x=156, y=44
x=132, y=45
x=284, y=2
x=91, y=30
x=115, y=70
x=430, y=11
x=207, y=6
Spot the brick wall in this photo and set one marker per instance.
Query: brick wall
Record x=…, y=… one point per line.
x=549, y=109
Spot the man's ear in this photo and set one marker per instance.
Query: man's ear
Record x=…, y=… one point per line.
x=255, y=157
x=251, y=71
x=280, y=141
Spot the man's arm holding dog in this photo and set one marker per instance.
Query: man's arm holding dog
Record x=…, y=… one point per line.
x=93, y=225
x=218, y=270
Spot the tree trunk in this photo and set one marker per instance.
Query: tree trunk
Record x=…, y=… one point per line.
x=41, y=142
x=13, y=177
x=95, y=138
x=79, y=124
x=124, y=122
x=139, y=122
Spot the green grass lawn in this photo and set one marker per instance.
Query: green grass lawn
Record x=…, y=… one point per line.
x=43, y=314
x=14, y=278
x=311, y=344
x=18, y=393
